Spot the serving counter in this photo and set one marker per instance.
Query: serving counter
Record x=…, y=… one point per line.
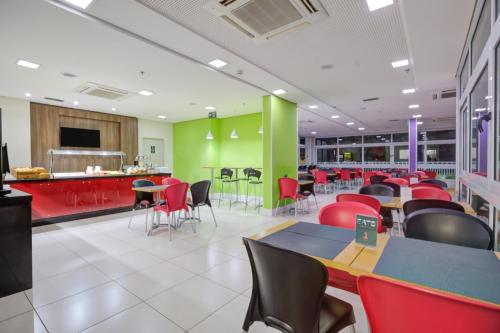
x=71, y=196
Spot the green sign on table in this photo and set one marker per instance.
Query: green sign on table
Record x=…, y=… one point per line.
x=366, y=230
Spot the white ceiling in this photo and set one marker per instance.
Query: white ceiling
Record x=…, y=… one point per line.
x=129, y=37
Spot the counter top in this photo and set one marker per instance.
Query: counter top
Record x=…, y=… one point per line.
x=82, y=176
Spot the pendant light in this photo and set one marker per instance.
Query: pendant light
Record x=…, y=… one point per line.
x=261, y=130
x=234, y=134
x=210, y=135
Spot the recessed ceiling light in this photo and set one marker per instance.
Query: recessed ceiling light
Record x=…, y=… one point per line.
x=80, y=3
x=113, y=109
x=340, y=139
x=217, y=63
x=349, y=123
x=417, y=116
x=76, y=103
x=209, y=107
x=474, y=118
x=480, y=109
x=377, y=4
x=400, y=63
x=420, y=123
x=408, y=91
x=145, y=93
x=313, y=107
x=327, y=66
x=361, y=128
x=279, y=91
x=162, y=117
x=413, y=106
x=335, y=116
x=28, y=64
x=27, y=94
x=314, y=133
x=488, y=97
x=378, y=136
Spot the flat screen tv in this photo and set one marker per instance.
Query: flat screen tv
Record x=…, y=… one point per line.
x=80, y=137
x=5, y=160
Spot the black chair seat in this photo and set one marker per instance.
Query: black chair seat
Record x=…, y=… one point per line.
x=255, y=182
x=335, y=314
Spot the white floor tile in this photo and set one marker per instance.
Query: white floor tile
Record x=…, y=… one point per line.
x=232, y=246
x=141, y=318
x=192, y=301
x=83, y=310
x=151, y=281
x=201, y=260
x=116, y=267
x=55, y=259
x=235, y=274
x=14, y=305
x=168, y=250
x=25, y=323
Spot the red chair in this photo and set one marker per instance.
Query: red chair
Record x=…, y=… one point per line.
x=409, y=177
x=393, y=306
x=345, y=177
x=321, y=179
x=399, y=181
x=431, y=174
x=366, y=177
x=425, y=185
x=430, y=193
x=343, y=214
x=421, y=175
x=358, y=175
x=170, y=181
x=288, y=188
x=176, y=200
x=365, y=199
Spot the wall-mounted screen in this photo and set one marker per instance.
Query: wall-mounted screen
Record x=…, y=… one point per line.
x=80, y=137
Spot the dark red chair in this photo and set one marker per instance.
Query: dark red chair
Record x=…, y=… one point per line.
x=431, y=174
x=421, y=175
x=176, y=200
x=393, y=306
x=425, y=185
x=430, y=193
x=398, y=181
x=343, y=214
x=288, y=188
x=365, y=199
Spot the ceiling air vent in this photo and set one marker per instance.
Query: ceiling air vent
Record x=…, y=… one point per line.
x=102, y=91
x=261, y=20
x=54, y=99
x=372, y=99
x=443, y=94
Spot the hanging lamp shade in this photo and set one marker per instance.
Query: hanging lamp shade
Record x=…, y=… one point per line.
x=210, y=136
x=261, y=130
x=234, y=134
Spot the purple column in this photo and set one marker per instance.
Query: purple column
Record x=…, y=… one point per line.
x=412, y=145
x=483, y=148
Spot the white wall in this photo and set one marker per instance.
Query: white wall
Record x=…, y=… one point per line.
x=16, y=130
x=157, y=130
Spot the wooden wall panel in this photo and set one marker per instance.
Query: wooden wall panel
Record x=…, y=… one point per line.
x=118, y=133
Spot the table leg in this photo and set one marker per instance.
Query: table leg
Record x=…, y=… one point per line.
x=212, y=179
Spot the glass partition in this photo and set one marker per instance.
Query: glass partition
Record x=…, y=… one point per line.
x=352, y=154
x=379, y=138
x=400, y=137
x=347, y=140
x=482, y=32
x=464, y=75
x=327, y=155
x=479, y=143
x=326, y=141
x=441, y=135
x=441, y=153
x=481, y=206
x=377, y=154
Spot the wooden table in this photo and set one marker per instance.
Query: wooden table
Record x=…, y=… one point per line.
x=396, y=203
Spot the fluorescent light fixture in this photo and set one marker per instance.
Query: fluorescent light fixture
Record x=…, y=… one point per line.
x=480, y=109
x=28, y=64
x=340, y=139
x=488, y=97
x=313, y=107
x=210, y=107
x=361, y=128
x=413, y=106
x=408, y=91
x=314, y=133
x=377, y=4
x=27, y=94
x=417, y=116
x=474, y=118
x=210, y=136
x=350, y=123
x=80, y=3
x=261, y=130
x=279, y=91
x=400, y=63
x=378, y=137
x=145, y=93
x=335, y=116
x=217, y=63
x=234, y=134
x=420, y=122
x=162, y=117
x=76, y=103
x=113, y=109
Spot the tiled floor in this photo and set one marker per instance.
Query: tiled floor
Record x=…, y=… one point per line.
x=97, y=275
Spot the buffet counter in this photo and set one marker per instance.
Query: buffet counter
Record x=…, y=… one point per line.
x=70, y=196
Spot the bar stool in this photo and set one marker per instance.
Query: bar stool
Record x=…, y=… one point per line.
x=226, y=177
x=253, y=178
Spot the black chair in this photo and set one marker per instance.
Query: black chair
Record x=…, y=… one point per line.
x=381, y=189
x=436, y=182
x=253, y=179
x=377, y=179
x=142, y=199
x=450, y=227
x=288, y=292
x=418, y=204
x=226, y=177
x=308, y=189
x=200, y=196
x=395, y=187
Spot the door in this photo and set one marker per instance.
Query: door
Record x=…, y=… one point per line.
x=153, y=151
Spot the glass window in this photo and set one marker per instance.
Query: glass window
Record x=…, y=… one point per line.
x=302, y=140
x=422, y=136
x=400, y=137
x=326, y=141
x=441, y=153
x=464, y=137
x=347, y=140
x=482, y=32
x=481, y=206
x=497, y=230
x=352, y=154
x=380, y=138
x=327, y=155
x=479, y=142
x=420, y=153
x=377, y=154
x=497, y=126
x=401, y=153
x=441, y=135
x=463, y=193
x=464, y=75
x=302, y=156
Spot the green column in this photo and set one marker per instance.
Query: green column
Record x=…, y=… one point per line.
x=280, y=145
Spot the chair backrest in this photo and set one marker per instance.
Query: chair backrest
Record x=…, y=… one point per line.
x=170, y=181
x=176, y=196
x=143, y=196
x=321, y=177
x=365, y=199
x=280, y=298
x=200, y=193
x=448, y=226
x=421, y=174
x=435, y=182
x=345, y=174
x=226, y=173
x=430, y=193
x=288, y=188
x=343, y=214
x=422, y=310
x=399, y=181
x=377, y=189
x=418, y=204
x=431, y=174
x=395, y=187
x=254, y=173
x=425, y=185
x=366, y=177
x=375, y=179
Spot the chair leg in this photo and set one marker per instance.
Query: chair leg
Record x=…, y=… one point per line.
x=296, y=206
x=147, y=215
x=277, y=206
x=131, y=217
x=169, y=220
x=220, y=193
x=213, y=215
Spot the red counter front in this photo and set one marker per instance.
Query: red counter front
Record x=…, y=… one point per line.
x=65, y=199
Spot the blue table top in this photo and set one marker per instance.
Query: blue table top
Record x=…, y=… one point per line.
x=382, y=199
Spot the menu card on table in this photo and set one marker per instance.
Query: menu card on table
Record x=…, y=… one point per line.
x=366, y=230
